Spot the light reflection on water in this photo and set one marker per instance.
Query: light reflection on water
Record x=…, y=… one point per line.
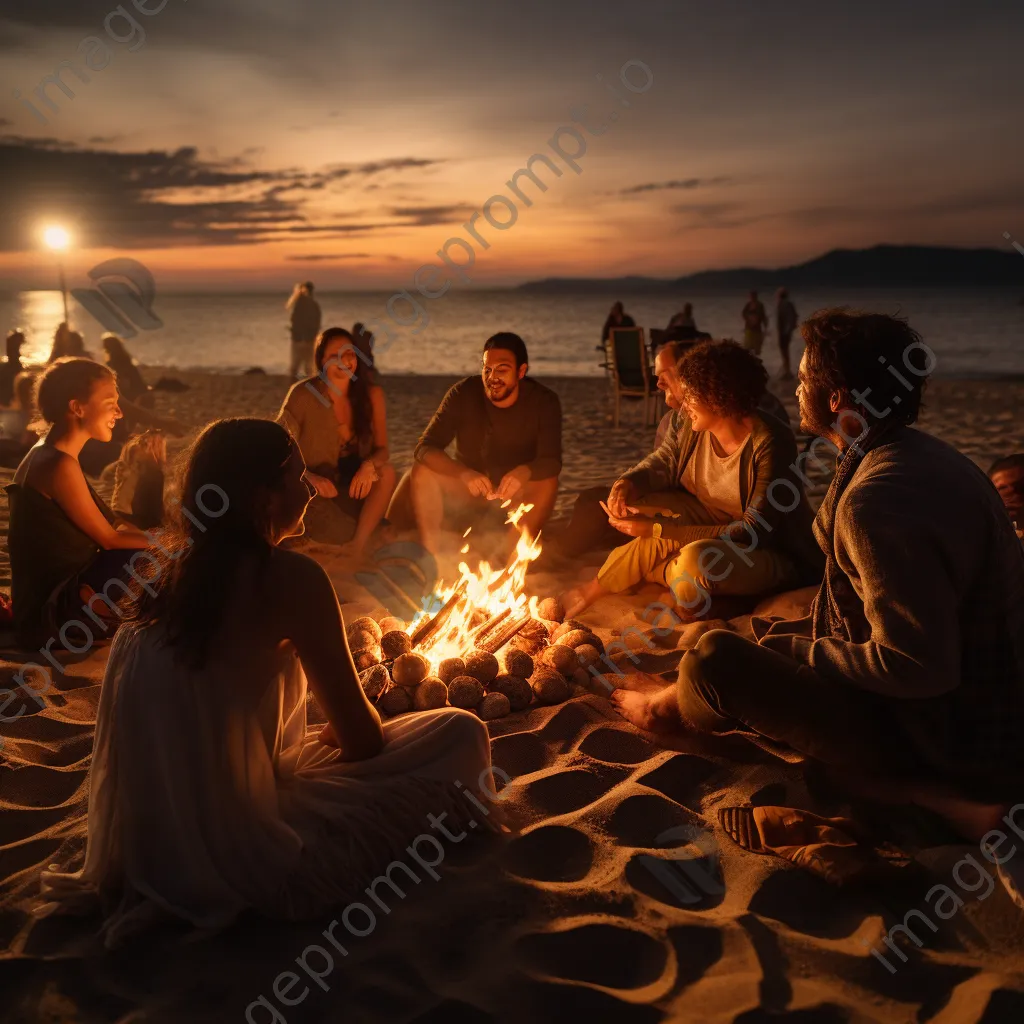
x=971, y=330
x=38, y=314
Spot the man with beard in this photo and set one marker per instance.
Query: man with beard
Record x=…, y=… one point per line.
x=507, y=430
x=907, y=677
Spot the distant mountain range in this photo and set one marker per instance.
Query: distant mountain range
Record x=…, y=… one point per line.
x=882, y=266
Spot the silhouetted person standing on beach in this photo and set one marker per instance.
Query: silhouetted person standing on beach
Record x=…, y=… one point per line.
x=305, y=326
x=755, y=320
x=785, y=325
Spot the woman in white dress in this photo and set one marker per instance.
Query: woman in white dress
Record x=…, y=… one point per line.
x=208, y=795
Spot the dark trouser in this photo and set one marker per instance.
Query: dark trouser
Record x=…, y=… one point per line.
x=588, y=528
x=108, y=574
x=729, y=684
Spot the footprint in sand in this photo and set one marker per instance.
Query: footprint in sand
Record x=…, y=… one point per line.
x=602, y=954
x=551, y=853
x=544, y=1002
x=641, y=821
x=617, y=746
x=519, y=753
x=567, y=723
x=688, y=878
x=572, y=789
x=680, y=779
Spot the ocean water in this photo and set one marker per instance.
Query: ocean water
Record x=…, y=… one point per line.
x=973, y=332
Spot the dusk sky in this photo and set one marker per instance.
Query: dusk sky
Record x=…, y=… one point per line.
x=251, y=143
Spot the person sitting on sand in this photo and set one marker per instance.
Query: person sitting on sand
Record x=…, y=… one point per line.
x=17, y=435
x=363, y=340
x=130, y=382
x=339, y=420
x=907, y=678
x=1007, y=475
x=704, y=497
x=588, y=528
x=139, y=480
x=67, y=344
x=63, y=541
x=210, y=794
x=136, y=401
x=11, y=366
x=684, y=318
x=617, y=317
x=507, y=430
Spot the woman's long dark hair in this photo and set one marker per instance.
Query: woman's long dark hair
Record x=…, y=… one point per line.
x=224, y=516
x=359, y=385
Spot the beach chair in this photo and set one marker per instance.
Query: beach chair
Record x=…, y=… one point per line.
x=631, y=369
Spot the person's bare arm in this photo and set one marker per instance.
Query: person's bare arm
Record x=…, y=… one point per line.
x=314, y=624
x=68, y=488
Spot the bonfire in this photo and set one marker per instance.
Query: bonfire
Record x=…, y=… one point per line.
x=449, y=653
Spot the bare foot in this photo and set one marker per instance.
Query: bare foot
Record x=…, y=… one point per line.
x=352, y=549
x=579, y=599
x=650, y=712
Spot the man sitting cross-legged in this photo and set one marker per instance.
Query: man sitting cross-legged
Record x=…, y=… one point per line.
x=735, y=522
x=907, y=678
x=507, y=430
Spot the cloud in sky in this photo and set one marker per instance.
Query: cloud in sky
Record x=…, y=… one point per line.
x=772, y=132
x=328, y=257
x=158, y=199
x=685, y=183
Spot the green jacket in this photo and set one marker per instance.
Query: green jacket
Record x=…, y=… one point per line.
x=776, y=513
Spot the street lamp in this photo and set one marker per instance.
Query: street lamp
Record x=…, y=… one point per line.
x=57, y=240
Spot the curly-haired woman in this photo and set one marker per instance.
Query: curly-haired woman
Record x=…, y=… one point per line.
x=725, y=512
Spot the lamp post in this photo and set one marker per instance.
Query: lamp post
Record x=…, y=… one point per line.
x=57, y=240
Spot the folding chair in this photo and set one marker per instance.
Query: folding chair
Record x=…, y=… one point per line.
x=631, y=369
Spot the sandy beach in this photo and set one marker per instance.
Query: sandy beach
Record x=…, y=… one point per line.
x=621, y=898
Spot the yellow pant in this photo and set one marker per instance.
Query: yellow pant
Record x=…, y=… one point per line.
x=697, y=571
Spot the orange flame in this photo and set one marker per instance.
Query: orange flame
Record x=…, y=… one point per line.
x=486, y=593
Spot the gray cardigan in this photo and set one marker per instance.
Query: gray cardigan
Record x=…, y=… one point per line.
x=775, y=509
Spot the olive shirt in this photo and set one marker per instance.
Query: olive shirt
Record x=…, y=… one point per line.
x=776, y=513
x=492, y=440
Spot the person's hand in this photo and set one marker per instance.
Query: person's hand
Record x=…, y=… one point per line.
x=620, y=497
x=327, y=737
x=366, y=476
x=513, y=482
x=323, y=486
x=639, y=527
x=476, y=483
